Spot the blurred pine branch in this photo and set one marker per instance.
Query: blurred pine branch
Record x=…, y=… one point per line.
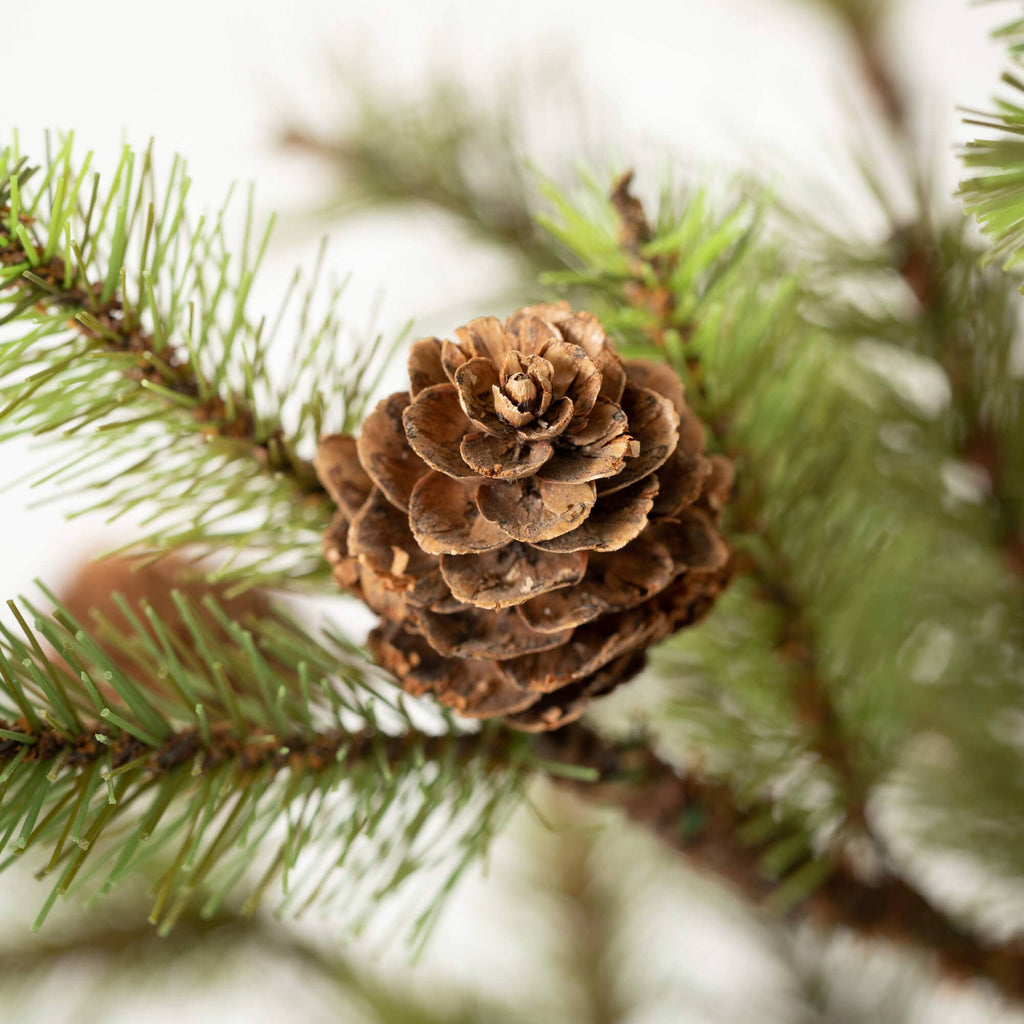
x=120, y=953
x=461, y=152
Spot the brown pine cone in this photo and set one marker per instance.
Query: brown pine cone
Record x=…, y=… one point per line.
x=528, y=518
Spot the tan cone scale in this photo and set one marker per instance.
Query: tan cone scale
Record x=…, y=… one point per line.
x=528, y=518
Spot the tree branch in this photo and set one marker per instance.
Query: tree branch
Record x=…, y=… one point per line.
x=702, y=819
x=699, y=817
x=113, y=328
x=590, y=927
x=867, y=38
x=506, y=223
x=920, y=267
x=979, y=441
x=301, y=753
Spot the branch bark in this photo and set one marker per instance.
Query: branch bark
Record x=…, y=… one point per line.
x=656, y=795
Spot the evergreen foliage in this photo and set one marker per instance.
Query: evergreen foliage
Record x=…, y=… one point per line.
x=266, y=752
x=143, y=367
x=130, y=352
x=871, y=585
x=995, y=191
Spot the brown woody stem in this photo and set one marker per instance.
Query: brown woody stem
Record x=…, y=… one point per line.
x=702, y=819
x=866, y=33
x=302, y=753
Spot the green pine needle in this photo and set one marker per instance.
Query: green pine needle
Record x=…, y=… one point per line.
x=131, y=352
x=995, y=191
x=166, y=752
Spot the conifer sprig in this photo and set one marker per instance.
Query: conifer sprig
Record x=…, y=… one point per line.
x=455, y=150
x=856, y=625
x=995, y=191
x=130, y=349
x=702, y=289
x=229, y=758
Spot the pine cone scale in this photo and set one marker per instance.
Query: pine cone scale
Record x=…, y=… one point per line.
x=533, y=509
x=504, y=458
x=511, y=575
x=445, y=520
x=486, y=635
x=338, y=466
x=654, y=428
x=435, y=425
x=614, y=582
x=385, y=455
x=615, y=520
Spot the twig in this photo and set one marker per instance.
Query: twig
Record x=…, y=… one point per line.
x=169, y=368
x=302, y=753
x=590, y=928
x=920, y=269
x=979, y=442
x=702, y=819
x=866, y=34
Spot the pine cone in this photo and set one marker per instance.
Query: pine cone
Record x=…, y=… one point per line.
x=528, y=518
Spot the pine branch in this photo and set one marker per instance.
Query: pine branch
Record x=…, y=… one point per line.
x=126, y=947
x=132, y=352
x=786, y=677
x=928, y=303
x=926, y=290
x=586, y=950
x=705, y=821
x=668, y=280
x=61, y=770
x=865, y=22
x=988, y=412
x=262, y=750
x=966, y=318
